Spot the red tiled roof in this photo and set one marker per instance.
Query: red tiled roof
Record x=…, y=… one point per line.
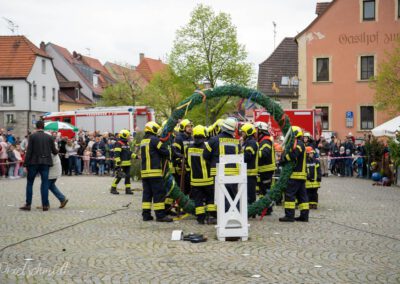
x=64, y=52
x=17, y=55
x=121, y=73
x=148, y=67
x=321, y=7
x=94, y=64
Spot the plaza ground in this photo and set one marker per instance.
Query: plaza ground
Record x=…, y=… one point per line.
x=354, y=237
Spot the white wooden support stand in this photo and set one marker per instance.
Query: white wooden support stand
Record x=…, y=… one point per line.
x=234, y=222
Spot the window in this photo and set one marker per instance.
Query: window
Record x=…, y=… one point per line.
x=295, y=105
x=67, y=119
x=10, y=118
x=367, y=67
x=44, y=92
x=285, y=81
x=398, y=9
x=54, y=94
x=322, y=69
x=43, y=66
x=95, y=80
x=34, y=91
x=324, y=117
x=369, y=10
x=367, y=117
x=8, y=95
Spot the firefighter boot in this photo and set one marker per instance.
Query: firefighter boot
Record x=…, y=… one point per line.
x=128, y=191
x=114, y=191
x=286, y=219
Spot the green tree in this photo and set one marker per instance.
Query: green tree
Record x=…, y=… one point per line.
x=206, y=49
x=165, y=91
x=120, y=94
x=387, y=82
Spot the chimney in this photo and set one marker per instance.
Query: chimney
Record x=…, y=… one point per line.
x=74, y=54
x=42, y=46
x=141, y=56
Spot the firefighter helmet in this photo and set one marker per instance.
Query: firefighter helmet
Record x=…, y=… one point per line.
x=307, y=134
x=229, y=125
x=151, y=127
x=199, y=130
x=183, y=124
x=248, y=129
x=124, y=134
x=309, y=149
x=262, y=127
x=297, y=131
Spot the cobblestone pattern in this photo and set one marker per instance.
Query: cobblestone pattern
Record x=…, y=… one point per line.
x=353, y=238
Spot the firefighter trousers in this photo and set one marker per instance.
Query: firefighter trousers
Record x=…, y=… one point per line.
x=153, y=191
x=204, y=201
x=296, y=189
x=265, y=182
x=127, y=171
x=312, y=195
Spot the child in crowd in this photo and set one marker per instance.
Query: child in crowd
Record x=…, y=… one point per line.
x=12, y=160
x=101, y=160
x=86, y=160
x=17, y=153
x=313, y=177
x=340, y=162
x=359, y=162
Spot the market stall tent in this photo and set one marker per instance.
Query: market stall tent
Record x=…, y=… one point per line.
x=388, y=128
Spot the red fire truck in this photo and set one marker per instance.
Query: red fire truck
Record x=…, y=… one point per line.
x=308, y=119
x=105, y=119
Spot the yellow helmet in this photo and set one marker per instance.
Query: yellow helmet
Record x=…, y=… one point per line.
x=183, y=124
x=151, y=127
x=124, y=134
x=248, y=129
x=199, y=130
x=297, y=131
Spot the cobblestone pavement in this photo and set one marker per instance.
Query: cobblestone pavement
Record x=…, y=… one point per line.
x=353, y=238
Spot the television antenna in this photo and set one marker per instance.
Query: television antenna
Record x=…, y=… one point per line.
x=87, y=51
x=274, y=24
x=13, y=27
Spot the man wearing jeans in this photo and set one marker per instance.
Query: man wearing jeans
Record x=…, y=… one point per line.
x=38, y=159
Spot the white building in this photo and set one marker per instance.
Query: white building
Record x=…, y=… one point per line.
x=28, y=84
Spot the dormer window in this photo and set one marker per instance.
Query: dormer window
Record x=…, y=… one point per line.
x=95, y=80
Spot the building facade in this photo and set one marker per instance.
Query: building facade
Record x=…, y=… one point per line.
x=339, y=52
x=28, y=84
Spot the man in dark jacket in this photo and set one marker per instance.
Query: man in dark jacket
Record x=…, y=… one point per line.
x=38, y=159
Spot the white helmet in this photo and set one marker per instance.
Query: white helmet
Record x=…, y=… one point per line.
x=229, y=125
x=262, y=126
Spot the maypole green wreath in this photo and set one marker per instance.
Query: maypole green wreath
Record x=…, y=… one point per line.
x=273, y=108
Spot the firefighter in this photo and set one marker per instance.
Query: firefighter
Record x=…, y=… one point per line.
x=201, y=182
x=313, y=177
x=152, y=152
x=266, y=159
x=296, y=184
x=182, y=140
x=225, y=143
x=250, y=150
x=122, y=158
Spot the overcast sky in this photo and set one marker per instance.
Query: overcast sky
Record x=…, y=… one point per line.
x=118, y=30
